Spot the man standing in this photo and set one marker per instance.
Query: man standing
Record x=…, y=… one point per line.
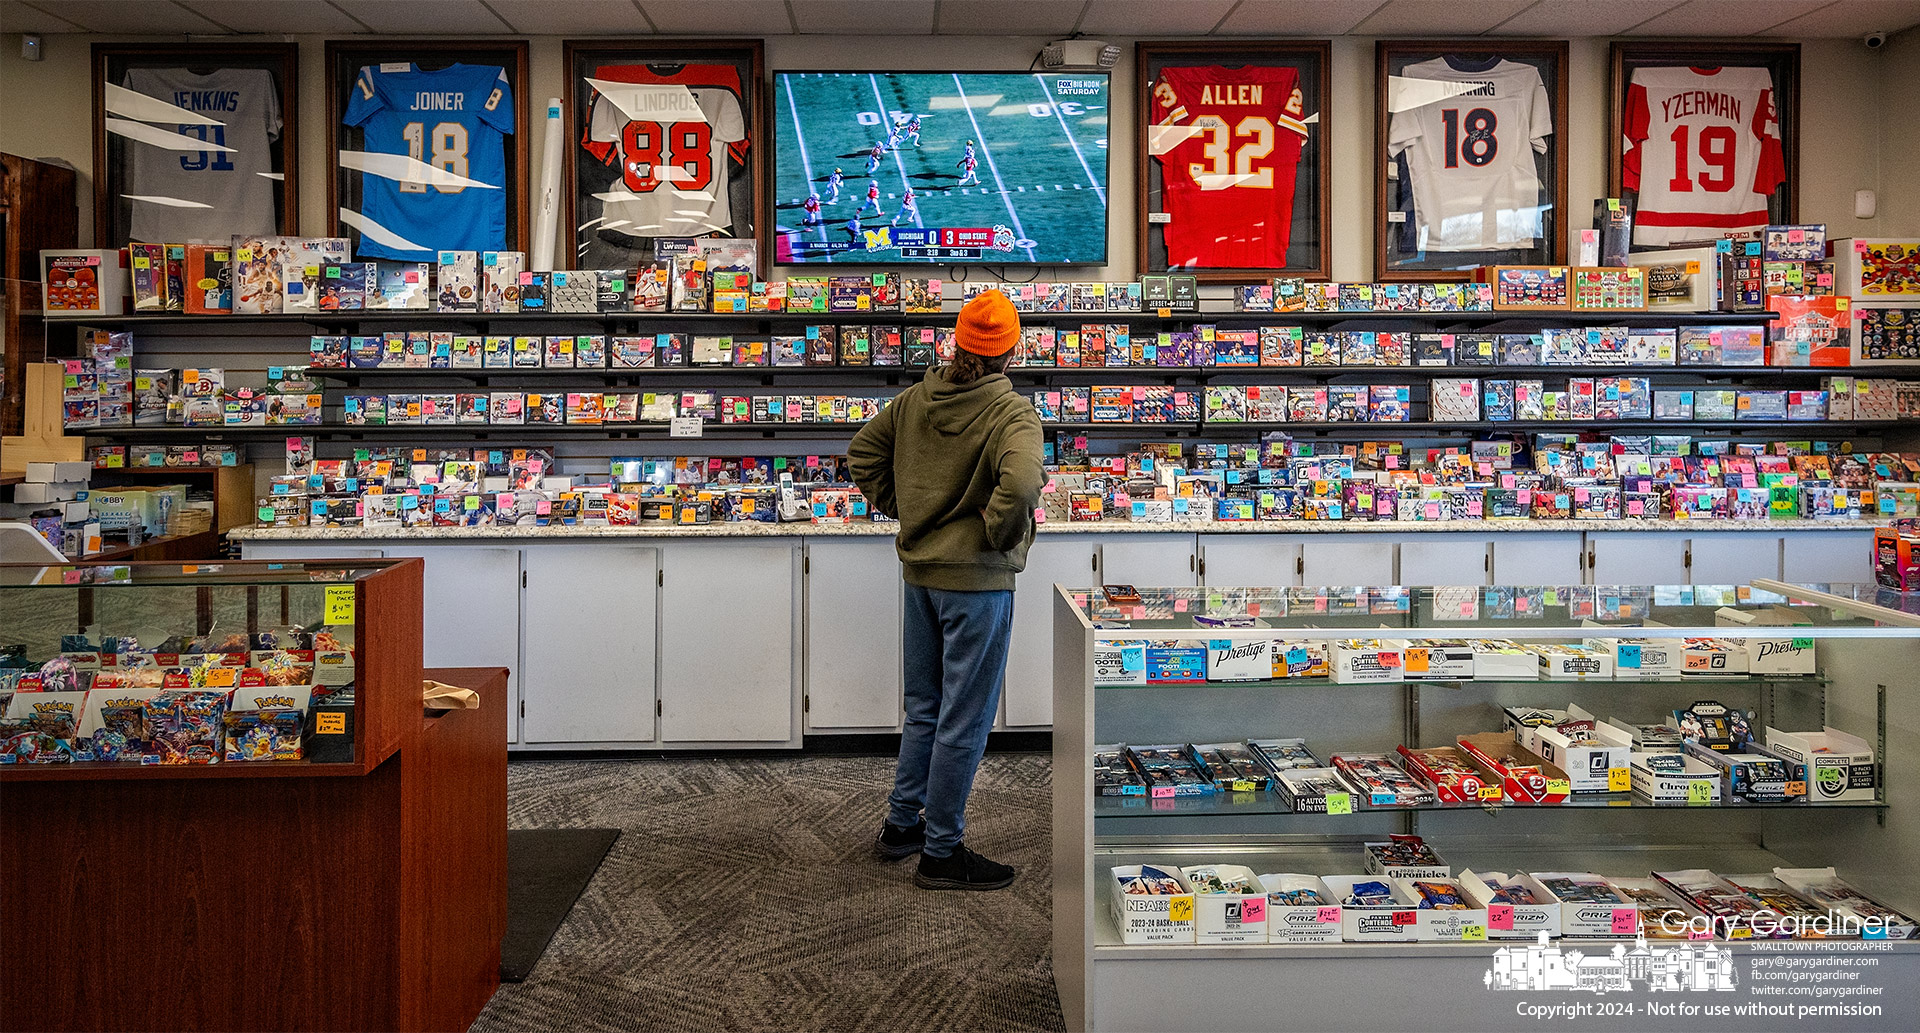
x=956, y=459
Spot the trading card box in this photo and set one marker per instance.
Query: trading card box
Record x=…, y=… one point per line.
x=1151, y=918
x=458, y=288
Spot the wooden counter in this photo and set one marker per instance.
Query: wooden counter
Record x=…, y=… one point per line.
x=334, y=901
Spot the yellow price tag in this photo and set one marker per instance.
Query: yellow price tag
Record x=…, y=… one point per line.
x=339, y=608
x=1490, y=793
x=1619, y=780
x=1699, y=791
x=1243, y=785
x=1339, y=803
x=1559, y=785
x=332, y=722
x=1473, y=932
x=1180, y=909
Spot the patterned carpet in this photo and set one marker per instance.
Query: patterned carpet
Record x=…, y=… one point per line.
x=743, y=896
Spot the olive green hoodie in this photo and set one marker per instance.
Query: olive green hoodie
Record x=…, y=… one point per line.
x=959, y=466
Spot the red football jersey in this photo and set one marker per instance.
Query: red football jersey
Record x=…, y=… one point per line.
x=1228, y=141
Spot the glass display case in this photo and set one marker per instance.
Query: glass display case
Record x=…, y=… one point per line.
x=1365, y=782
x=152, y=669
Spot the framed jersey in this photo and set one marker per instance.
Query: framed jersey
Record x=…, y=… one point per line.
x=664, y=142
x=1233, y=137
x=1705, y=138
x=1470, y=152
x=430, y=147
x=192, y=142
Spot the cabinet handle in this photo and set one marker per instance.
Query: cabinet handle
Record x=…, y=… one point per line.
x=1095, y=560
x=1687, y=562
x=1300, y=565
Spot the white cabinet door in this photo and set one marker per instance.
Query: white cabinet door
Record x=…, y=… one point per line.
x=853, y=634
x=587, y=643
x=1249, y=561
x=470, y=611
x=1342, y=560
x=1539, y=558
x=1827, y=557
x=1067, y=559
x=1147, y=560
x=1446, y=559
x=729, y=662
x=1734, y=557
x=1638, y=558
x=307, y=551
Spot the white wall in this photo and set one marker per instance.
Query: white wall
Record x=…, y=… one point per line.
x=1856, y=122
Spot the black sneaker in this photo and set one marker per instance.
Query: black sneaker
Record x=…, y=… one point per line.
x=962, y=870
x=894, y=842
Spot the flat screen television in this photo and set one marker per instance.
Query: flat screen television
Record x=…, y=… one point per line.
x=1002, y=168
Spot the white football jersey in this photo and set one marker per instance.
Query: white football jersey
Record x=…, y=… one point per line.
x=674, y=168
x=1702, y=147
x=247, y=104
x=1471, y=153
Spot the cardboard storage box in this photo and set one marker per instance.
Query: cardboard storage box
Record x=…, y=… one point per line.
x=1590, y=768
x=1753, y=777
x=1399, y=923
x=1839, y=768
x=1698, y=783
x=1359, y=661
x=1663, y=915
x=1467, y=923
x=1512, y=921
x=1436, y=660
x=1498, y=659
x=1783, y=654
x=1380, y=865
x=1227, y=917
x=1294, y=923
x=1584, y=918
x=1549, y=786
x=1150, y=919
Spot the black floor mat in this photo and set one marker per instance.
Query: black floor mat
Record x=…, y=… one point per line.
x=547, y=869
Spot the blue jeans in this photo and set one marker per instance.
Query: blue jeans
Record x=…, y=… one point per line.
x=955, y=660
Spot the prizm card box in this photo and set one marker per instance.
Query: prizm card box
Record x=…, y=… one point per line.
x=1517, y=907
x=1589, y=905
x=1144, y=917
x=1300, y=909
x=1754, y=777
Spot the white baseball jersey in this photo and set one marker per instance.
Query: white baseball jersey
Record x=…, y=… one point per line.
x=1471, y=153
x=247, y=104
x=1702, y=147
x=673, y=148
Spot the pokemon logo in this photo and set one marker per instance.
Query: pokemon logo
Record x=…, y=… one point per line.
x=53, y=707
x=272, y=702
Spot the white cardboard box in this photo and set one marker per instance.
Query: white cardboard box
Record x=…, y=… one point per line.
x=1579, y=918
x=54, y=473
x=1568, y=663
x=1244, y=660
x=1436, y=660
x=1360, y=661
x=1500, y=660
x=34, y=494
x=1380, y=869
x=1227, y=917
x=1640, y=659
x=1606, y=768
x=1766, y=654
x=1397, y=924
x=1117, y=662
x=1663, y=915
x=1839, y=766
x=1512, y=921
x=1676, y=788
x=1291, y=923
x=1469, y=923
x=1155, y=919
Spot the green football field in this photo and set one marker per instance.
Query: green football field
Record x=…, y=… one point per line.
x=1040, y=144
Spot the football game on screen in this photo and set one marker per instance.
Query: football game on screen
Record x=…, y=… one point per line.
x=939, y=167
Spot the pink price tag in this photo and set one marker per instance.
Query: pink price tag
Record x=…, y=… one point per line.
x=1039, y=515
x=1699, y=934
x=1500, y=916
x=1636, y=507
x=1406, y=917
x=1327, y=916
x=1160, y=792
x=1626, y=921
x=1796, y=236
x=1253, y=909
x=1179, y=606
x=1138, y=613
x=1431, y=510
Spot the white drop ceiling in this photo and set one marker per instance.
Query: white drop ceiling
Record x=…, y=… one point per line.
x=1099, y=18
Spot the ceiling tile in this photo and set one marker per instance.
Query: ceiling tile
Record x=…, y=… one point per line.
x=1008, y=17
x=1297, y=17
x=120, y=16
x=1419, y=18
x=1566, y=18
x=275, y=16
x=720, y=17
x=1724, y=17
x=1153, y=17
x=1854, y=18
x=428, y=17
x=572, y=17
x=864, y=17
x=18, y=17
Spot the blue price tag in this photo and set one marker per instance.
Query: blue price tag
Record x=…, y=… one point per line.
x=1630, y=657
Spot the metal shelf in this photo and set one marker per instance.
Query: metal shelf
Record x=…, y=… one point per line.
x=1270, y=802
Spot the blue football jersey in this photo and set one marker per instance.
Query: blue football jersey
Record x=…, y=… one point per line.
x=456, y=119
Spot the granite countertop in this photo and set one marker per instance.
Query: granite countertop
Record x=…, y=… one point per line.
x=751, y=529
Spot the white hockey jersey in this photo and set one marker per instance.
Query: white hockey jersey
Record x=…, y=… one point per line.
x=1702, y=147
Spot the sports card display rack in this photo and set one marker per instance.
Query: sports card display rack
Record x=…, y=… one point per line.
x=1216, y=971
x=369, y=876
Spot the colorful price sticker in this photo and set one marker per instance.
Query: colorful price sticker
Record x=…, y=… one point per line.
x=1180, y=909
x=1626, y=921
x=1619, y=780
x=1558, y=786
x=1699, y=791
x=339, y=605
x=1500, y=916
x=1326, y=916
x=1253, y=910
x=1339, y=803
x=1473, y=931
x=1160, y=792
x=1406, y=917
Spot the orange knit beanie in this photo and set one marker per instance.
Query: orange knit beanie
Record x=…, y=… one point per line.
x=988, y=325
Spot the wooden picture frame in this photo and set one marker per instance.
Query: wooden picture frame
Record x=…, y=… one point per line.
x=1395, y=213
x=1780, y=59
x=1312, y=59
x=113, y=217
x=344, y=58
x=588, y=246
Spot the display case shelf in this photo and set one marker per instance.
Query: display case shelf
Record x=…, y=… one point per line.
x=1270, y=802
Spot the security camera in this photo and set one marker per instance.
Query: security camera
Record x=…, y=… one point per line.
x=1875, y=40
